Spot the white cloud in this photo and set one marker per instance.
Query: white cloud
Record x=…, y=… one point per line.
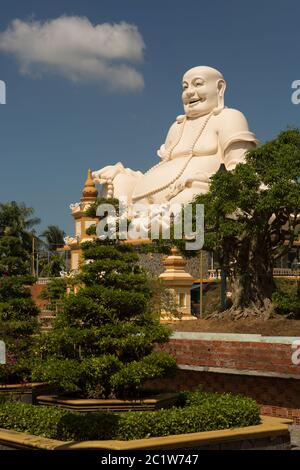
x=73, y=47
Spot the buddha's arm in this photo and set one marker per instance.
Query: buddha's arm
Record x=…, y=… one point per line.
x=111, y=171
x=121, y=180
x=234, y=137
x=171, y=139
x=235, y=153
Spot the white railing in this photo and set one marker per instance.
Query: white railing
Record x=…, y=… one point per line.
x=279, y=272
x=214, y=273
x=43, y=280
x=287, y=272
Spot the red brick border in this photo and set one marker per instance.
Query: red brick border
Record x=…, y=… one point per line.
x=257, y=356
x=261, y=371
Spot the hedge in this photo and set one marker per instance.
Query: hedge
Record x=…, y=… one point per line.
x=195, y=412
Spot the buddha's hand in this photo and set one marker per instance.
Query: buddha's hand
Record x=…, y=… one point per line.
x=198, y=176
x=108, y=173
x=176, y=188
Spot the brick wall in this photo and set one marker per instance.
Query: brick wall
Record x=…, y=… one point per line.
x=256, y=366
x=36, y=290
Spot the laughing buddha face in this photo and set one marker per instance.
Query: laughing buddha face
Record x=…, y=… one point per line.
x=203, y=91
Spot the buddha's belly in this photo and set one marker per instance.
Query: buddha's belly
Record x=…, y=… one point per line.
x=157, y=181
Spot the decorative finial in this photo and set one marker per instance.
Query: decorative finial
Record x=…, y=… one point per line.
x=89, y=191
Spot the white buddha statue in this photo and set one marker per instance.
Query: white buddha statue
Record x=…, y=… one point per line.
x=198, y=142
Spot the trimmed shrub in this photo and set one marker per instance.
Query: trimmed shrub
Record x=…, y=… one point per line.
x=18, y=323
x=135, y=373
x=96, y=374
x=110, y=319
x=201, y=412
x=66, y=372
x=198, y=412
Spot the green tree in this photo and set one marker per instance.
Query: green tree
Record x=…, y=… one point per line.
x=18, y=312
x=14, y=259
x=103, y=339
x=54, y=292
x=51, y=262
x=54, y=237
x=17, y=220
x=251, y=217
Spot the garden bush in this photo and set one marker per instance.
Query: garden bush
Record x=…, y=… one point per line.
x=196, y=412
x=102, y=342
x=18, y=312
x=287, y=303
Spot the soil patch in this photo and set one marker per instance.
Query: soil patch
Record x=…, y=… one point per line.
x=271, y=327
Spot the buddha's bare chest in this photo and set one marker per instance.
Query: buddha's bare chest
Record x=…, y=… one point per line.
x=190, y=137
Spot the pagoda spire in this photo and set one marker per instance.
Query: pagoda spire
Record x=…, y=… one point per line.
x=89, y=192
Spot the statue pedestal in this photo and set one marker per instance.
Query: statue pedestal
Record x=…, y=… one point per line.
x=179, y=282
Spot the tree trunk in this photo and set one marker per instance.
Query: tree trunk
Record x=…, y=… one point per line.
x=252, y=281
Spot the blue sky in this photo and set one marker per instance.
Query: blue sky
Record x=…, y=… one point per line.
x=52, y=129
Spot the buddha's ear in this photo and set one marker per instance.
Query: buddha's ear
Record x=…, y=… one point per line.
x=221, y=86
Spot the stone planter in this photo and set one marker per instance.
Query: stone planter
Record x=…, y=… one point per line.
x=25, y=392
x=164, y=400
x=271, y=434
